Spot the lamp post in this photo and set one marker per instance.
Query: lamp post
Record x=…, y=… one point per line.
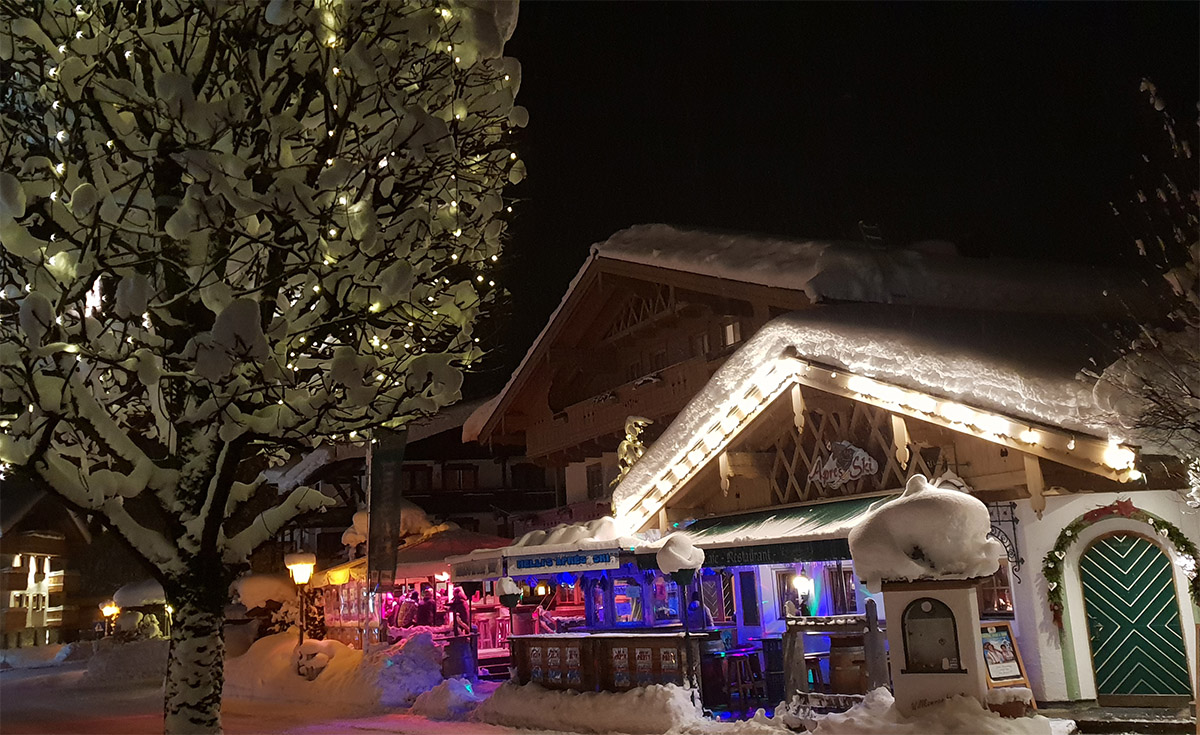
x=300, y=566
x=109, y=610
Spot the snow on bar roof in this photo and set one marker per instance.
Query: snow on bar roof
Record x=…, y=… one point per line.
x=1019, y=366
x=840, y=271
x=811, y=522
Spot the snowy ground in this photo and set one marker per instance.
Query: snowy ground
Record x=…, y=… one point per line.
x=400, y=690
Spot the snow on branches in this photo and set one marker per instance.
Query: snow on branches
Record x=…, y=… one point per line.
x=228, y=227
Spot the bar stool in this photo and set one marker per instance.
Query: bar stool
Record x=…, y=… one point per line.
x=757, y=682
x=812, y=665
x=738, y=678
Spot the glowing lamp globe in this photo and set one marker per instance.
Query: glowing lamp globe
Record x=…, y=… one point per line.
x=300, y=566
x=803, y=584
x=109, y=609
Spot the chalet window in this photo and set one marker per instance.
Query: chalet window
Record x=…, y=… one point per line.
x=842, y=591
x=528, y=476
x=995, y=594
x=460, y=477
x=699, y=344
x=595, y=481
x=416, y=479
x=731, y=334
x=717, y=592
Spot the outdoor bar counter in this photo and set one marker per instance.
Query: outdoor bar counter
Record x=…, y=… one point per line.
x=595, y=661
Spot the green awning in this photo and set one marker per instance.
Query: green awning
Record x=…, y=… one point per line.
x=785, y=535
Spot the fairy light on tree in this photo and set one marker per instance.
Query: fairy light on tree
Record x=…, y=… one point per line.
x=204, y=262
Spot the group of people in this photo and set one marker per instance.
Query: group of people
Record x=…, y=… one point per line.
x=428, y=609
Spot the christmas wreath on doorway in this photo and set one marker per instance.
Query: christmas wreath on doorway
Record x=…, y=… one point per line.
x=1052, y=565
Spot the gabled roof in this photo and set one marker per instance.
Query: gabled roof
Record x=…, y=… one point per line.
x=1010, y=378
x=824, y=272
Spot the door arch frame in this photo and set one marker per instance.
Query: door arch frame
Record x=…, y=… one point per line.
x=1076, y=609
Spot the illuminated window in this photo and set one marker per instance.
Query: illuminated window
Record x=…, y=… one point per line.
x=666, y=600
x=731, y=334
x=16, y=561
x=995, y=594
x=627, y=601
x=785, y=592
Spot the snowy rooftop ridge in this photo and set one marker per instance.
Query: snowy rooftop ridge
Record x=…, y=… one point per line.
x=839, y=271
x=858, y=272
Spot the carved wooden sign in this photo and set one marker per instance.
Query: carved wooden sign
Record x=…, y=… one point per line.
x=845, y=463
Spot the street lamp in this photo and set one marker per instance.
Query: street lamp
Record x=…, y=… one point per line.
x=109, y=610
x=300, y=566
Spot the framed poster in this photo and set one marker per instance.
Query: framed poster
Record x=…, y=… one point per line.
x=1001, y=655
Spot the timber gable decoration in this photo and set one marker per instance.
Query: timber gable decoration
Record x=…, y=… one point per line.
x=840, y=411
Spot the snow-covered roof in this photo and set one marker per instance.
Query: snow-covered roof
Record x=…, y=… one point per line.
x=137, y=594
x=847, y=271
x=785, y=524
x=601, y=533
x=1018, y=366
x=840, y=272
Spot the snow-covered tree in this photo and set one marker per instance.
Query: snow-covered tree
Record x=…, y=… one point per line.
x=230, y=228
x=1154, y=387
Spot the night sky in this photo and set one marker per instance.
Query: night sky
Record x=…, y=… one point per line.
x=1005, y=128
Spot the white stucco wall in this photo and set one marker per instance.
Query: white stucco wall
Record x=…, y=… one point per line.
x=1037, y=635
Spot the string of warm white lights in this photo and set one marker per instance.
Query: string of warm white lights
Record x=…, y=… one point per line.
x=636, y=506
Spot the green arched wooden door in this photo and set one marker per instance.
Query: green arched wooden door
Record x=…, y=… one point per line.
x=1138, y=652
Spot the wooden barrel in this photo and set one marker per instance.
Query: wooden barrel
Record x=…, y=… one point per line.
x=848, y=670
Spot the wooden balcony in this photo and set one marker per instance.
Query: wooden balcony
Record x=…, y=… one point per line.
x=602, y=418
x=54, y=582
x=54, y=615
x=14, y=580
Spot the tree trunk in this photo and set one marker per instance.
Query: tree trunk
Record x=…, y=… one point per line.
x=195, y=670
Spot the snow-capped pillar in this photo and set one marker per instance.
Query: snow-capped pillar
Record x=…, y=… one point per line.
x=195, y=671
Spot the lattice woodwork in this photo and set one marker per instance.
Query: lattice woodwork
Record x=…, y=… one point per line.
x=862, y=425
x=638, y=308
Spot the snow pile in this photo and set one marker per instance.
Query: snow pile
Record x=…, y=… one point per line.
x=409, y=669
x=35, y=657
x=508, y=586
x=256, y=590
x=927, y=533
x=142, y=660
x=1004, y=695
x=268, y=671
x=137, y=594
x=601, y=533
x=678, y=553
x=877, y=714
x=653, y=709
x=453, y=699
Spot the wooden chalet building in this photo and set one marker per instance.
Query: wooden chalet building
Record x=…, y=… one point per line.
x=655, y=311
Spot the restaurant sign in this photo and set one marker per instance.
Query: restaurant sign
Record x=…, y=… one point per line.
x=845, y=464
x=476, y=570
x=572, y=562
x=783, y=553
